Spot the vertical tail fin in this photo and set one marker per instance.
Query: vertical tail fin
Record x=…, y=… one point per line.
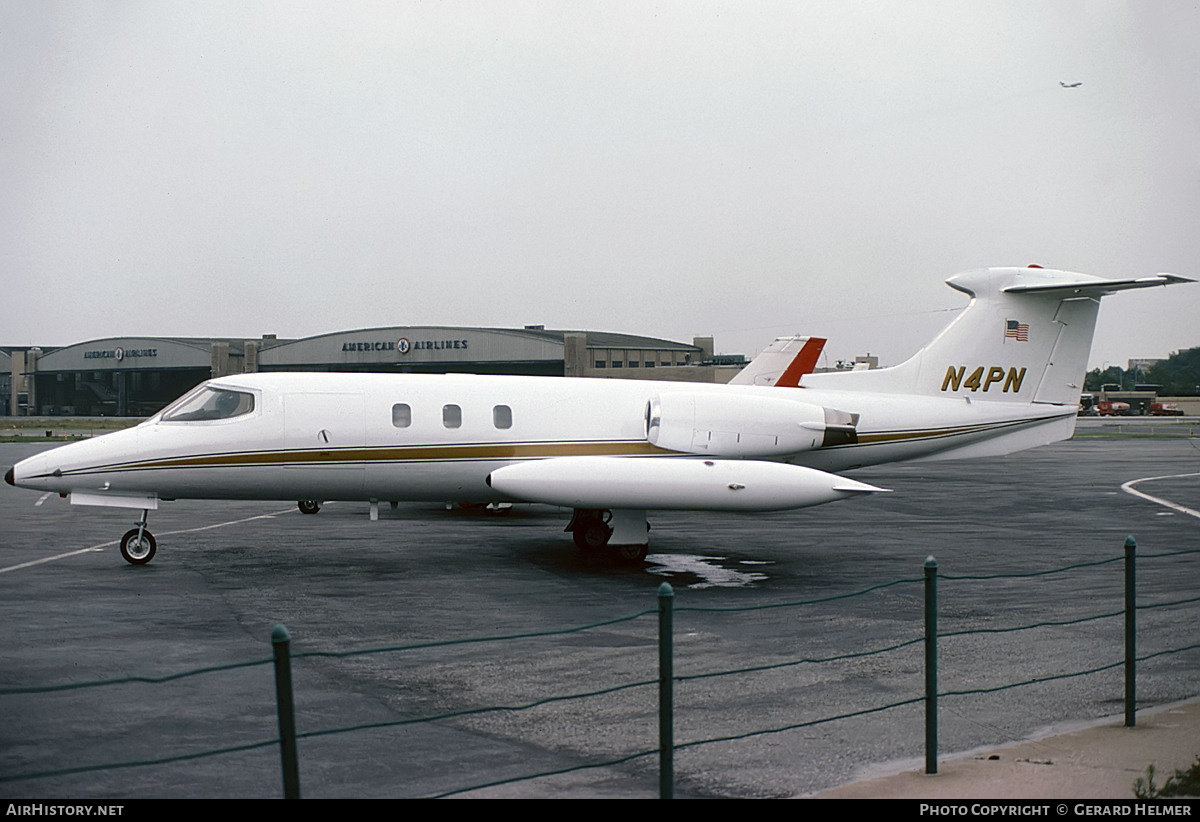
x=782, y=363
x=1024, y=337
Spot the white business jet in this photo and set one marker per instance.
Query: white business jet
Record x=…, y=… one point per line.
x=1004, y=376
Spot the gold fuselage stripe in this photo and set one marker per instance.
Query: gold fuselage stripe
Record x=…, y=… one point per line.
x=418, y=453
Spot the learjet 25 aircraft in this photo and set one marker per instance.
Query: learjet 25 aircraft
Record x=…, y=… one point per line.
x=1003, y=376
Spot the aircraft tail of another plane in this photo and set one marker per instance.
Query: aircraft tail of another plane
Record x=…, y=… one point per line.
x=1025, y=337
x=782, y=363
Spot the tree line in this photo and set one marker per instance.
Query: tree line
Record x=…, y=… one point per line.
x=1176, y=376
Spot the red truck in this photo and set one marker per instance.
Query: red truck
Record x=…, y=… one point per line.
x=1164, y=409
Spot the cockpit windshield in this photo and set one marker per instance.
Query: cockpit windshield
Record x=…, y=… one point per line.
x=210, y=403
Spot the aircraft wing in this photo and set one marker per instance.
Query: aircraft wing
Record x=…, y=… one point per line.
x=672, y=483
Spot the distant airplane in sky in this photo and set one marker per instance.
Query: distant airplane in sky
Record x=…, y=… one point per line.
x=1069, y=85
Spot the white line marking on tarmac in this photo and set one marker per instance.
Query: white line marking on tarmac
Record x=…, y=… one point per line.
x=222, y=524
x=110, y=543
x=1174, y=506
x=55, y=557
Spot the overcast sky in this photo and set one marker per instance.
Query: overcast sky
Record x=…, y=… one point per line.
x=671, y=169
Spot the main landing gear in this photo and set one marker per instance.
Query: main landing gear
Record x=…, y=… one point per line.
x=138, y=545
x=624, y=532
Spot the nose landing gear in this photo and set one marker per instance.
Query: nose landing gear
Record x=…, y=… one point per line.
x=138, y=544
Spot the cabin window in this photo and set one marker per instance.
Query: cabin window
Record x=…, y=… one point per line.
x=402, y=415
x=211, y=403
x=452, y=416
x=502, y=416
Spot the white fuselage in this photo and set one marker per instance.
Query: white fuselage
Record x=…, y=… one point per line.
x=332, y=436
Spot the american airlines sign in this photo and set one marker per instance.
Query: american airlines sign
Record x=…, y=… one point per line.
x=120, y=353
x=404, y=346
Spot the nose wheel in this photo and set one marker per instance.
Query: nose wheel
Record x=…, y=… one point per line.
x=138, y=544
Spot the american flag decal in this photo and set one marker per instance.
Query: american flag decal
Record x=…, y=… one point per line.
x=1018, y=331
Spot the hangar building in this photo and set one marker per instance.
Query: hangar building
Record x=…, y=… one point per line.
x=136, y=376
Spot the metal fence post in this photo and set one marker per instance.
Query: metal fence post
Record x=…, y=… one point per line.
x=666, y=692
x=931, y=678
x=1130, y=632
x=286, y=708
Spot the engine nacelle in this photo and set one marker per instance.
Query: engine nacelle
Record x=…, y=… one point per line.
x=744, y=425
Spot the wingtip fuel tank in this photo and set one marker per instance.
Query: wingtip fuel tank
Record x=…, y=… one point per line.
x=673, y=484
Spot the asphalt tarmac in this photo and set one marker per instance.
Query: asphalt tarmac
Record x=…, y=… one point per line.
x=226, y=573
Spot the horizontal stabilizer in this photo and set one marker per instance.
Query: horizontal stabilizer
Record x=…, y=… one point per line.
x=669, y=483
x=1087, y=286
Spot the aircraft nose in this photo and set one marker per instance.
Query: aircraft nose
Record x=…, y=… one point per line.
x=28, y=473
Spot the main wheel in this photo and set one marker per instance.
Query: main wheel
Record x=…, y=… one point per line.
x=591, y=535
x=308, y=506
x=138, y=551
x=630, y=554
